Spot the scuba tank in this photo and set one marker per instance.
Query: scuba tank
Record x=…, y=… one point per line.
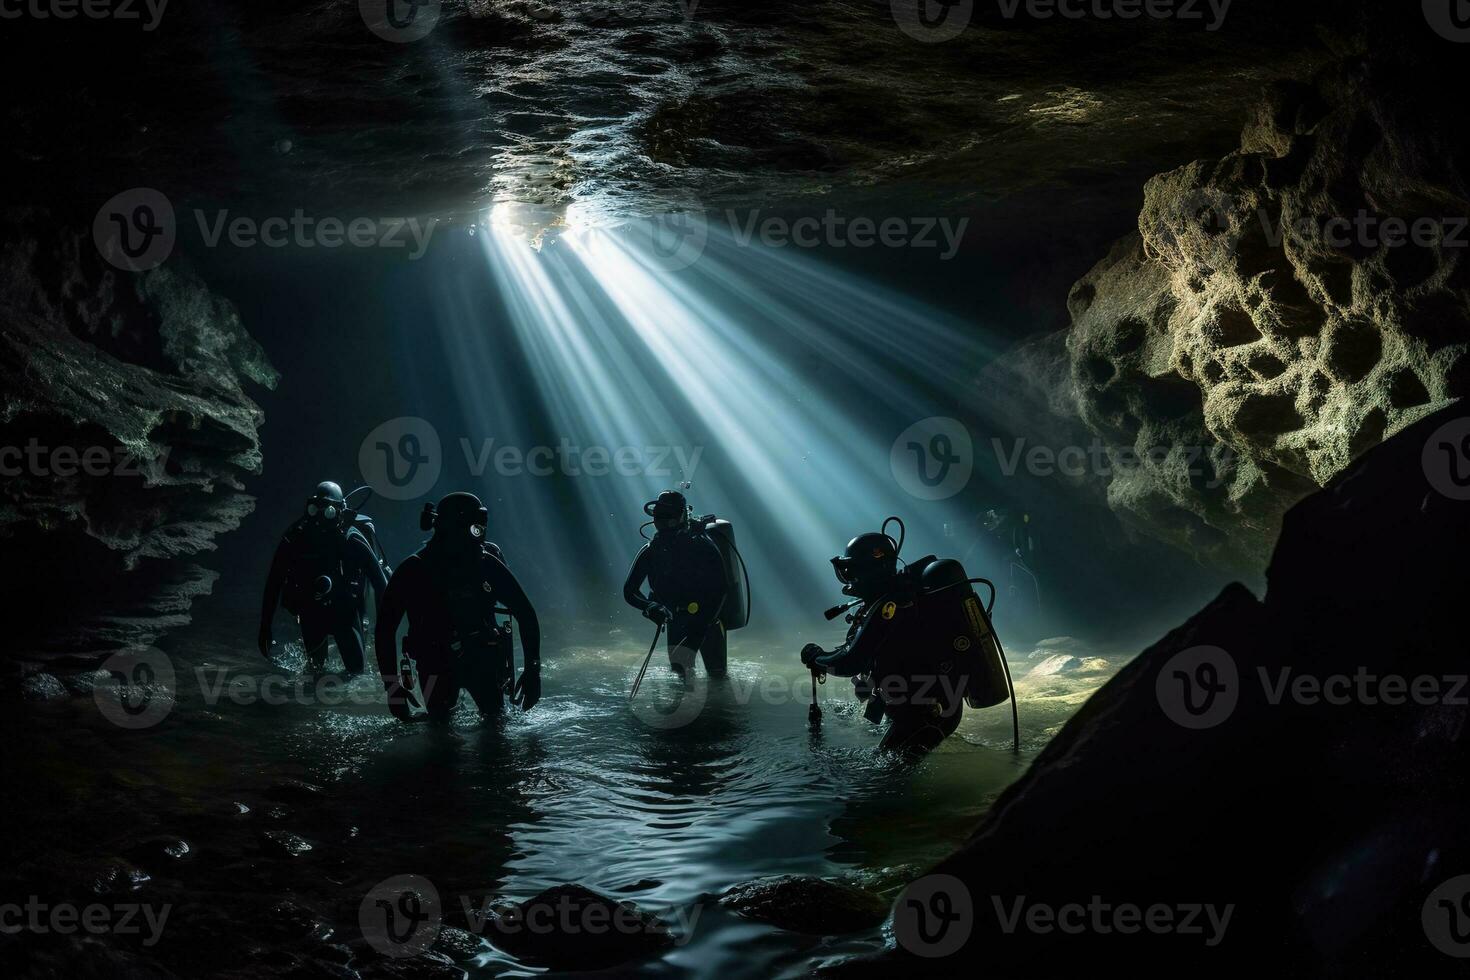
x=736, y=612
x=357, y=521
x=955, y=621
x=318, y=577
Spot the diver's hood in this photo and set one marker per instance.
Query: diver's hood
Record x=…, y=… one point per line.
x=868, y=564
x=669, y=512
x=459, y=518
x=327, y=504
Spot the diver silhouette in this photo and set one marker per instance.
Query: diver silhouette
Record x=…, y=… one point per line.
x=320, y=573
x=688, y=585
x=919, y=646
x=452, y=591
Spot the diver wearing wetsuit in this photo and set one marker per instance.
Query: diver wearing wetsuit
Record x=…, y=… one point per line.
x=687, y=586
x=449, y=591
x=320, y=572
x=897, y=663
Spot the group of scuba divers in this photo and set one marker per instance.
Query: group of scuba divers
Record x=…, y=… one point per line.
x=920, y=643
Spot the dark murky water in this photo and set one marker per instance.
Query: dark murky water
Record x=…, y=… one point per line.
x=659, y=806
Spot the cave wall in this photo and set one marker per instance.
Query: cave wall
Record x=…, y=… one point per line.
x=1243, y=346
x=126, y=430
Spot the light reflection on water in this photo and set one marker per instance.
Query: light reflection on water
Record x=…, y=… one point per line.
x=582, y=790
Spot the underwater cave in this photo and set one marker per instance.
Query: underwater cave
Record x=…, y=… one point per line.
x=723, y=488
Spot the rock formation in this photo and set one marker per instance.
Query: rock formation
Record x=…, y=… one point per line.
x=1276, y=313
x=803, y=903
x=1322, y=794
x=126, y=431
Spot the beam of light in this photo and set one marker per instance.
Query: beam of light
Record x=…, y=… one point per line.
x=786, y=377
x=523, y=513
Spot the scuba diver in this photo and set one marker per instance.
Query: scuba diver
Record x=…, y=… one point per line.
x=452, y=591
x=1017, y=538
x=693, y=589
x=320, y=573
x=919, y=647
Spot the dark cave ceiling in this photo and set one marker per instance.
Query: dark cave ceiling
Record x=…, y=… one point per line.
x=273, y=105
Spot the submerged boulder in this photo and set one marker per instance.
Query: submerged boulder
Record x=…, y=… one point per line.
x=1297, y=767
x=42, y=687
x=803, y=903
x=568, y=927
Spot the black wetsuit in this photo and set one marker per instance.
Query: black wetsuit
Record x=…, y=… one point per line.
x=307, y=552
x=896, y=660
x=686, y=575
x=453, y=637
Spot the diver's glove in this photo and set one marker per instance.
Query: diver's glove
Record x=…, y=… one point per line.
x=659, y=613
x=265, y=641
x=528, y=688
x=809, y=655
